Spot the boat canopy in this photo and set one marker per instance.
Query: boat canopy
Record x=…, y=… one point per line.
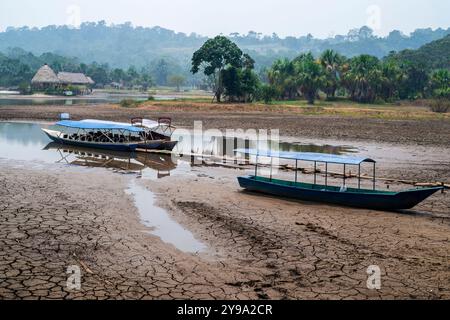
x=145, y=123
x=306, y=156
x=98, y=125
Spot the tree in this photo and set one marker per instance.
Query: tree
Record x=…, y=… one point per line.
x=309, y=76
x=177, y=81
x=282, y=77
x=414, y=80
x=363, y=78
x=161, y=71
x=331, y=62
x=268, y=93
x=213, y=57
x=440, y=84
x=391, y=76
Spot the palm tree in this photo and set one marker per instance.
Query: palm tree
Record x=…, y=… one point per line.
x=282, y=77
x=363, y=79
x=391, y=77
x=331, y=62
x=309, y=76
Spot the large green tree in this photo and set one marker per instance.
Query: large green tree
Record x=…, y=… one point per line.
x=214, y=57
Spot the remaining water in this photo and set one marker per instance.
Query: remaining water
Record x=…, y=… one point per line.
x=163, y=226
x=27, y=142
x=88, y=100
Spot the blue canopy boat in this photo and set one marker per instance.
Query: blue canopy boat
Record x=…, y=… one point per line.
x=108, y=135
x=353, y=197
x=96, y=135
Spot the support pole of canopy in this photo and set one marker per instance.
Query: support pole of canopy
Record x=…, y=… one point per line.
x=374, y=179
x=256, y=167
x=271, y=166
x=359, y=176
x=345, y=167
x=326, y=174
x=315, y=172
x=296, y=171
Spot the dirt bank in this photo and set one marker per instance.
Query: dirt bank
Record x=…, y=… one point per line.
x=291, y=121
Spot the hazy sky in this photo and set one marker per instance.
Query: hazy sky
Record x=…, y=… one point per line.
x=321, y=18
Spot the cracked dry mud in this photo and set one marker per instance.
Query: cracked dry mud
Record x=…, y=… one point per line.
x=260, y=247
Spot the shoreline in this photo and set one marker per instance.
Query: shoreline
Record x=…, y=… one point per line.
x=424, y=132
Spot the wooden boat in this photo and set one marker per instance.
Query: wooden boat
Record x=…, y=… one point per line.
x=156, y=134
x=353, y=197
x=107, y=135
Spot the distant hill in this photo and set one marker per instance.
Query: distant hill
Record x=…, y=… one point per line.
x=124, y=45
x=433, y=55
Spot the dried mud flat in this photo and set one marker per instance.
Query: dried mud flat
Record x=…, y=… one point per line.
x=259, y=247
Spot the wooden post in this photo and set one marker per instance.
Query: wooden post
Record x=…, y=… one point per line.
x=326, y=174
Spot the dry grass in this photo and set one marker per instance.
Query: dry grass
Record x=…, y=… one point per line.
x=339, y=108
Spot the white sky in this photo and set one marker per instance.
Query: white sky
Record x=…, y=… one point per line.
x=321, y=18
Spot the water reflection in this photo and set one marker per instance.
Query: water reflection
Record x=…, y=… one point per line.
x=117, y=160
x=27, y=142
x=225, y=146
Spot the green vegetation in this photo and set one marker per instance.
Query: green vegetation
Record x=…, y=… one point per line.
x=164, y=52
x=440, y=105
x=19, y=66
x=177, y=81
x=363, y=78
x=229, y=68
x=129, y=103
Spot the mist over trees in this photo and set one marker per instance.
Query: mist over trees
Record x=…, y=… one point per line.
x=360, y=64
x=123, y=45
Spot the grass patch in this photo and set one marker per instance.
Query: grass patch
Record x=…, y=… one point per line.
x=129, y=103
x=440, y=106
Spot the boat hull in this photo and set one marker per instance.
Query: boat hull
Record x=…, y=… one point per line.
x=108, y=146
x=368, y=199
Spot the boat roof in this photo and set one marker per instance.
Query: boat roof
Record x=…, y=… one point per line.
x=145, y=122
x=306, y=156
x=97, y=125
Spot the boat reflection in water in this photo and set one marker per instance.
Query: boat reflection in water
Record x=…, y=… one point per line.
x=129, y=162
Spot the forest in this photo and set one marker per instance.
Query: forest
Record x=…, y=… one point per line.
x=238, y=70
x=423, y=73
x=165, y=53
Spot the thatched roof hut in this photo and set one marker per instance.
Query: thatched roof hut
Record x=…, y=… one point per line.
x=90, y=80
x=45, y=75
x=73, y=78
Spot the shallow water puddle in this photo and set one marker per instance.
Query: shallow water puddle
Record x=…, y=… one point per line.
x=163, y=225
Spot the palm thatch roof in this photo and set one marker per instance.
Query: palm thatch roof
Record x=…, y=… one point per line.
x=45, y=75
x=90, y=80
x=73, y=78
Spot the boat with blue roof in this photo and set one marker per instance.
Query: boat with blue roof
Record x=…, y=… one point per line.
x=326, y=193
x=99, y=134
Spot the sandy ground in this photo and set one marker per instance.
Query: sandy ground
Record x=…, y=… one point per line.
x=259, y=247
